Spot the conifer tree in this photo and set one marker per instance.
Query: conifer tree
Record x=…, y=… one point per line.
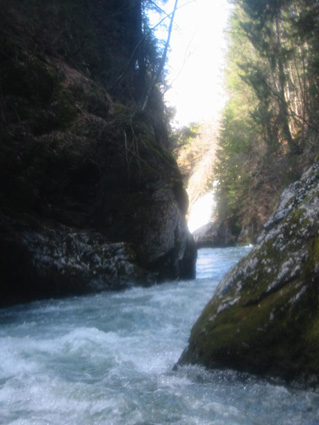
x=270, y=124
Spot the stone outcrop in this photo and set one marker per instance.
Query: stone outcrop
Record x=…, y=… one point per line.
x=90, y=197
x=39, y=262
x=213, y=235
x=264, y=316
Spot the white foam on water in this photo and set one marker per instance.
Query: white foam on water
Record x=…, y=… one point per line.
x=107, y=359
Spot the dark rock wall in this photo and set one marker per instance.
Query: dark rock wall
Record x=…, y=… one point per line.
x=90, y=198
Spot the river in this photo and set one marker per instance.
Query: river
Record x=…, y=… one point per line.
x=107, y=359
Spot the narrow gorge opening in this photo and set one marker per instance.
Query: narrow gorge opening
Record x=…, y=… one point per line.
x=109, y=111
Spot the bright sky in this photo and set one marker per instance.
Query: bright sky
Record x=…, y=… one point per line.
x=195, y=72
x=196, y=59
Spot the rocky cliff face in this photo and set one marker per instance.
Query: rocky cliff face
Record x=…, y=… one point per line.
x=90, y=197
x=264, y=316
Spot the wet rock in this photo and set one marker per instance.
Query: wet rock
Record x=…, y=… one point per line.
x=264, y=316
x=40, y=262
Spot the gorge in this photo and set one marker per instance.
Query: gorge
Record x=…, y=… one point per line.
x=92, y=218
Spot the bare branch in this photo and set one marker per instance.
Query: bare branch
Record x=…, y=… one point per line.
x=133, y=54
x=157, y=76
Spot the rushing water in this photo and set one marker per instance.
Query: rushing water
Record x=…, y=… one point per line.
x=107, y=359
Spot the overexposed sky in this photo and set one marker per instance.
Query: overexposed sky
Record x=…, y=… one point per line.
x=196, y=59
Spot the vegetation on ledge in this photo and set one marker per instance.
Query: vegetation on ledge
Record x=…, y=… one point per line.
x=79, y=155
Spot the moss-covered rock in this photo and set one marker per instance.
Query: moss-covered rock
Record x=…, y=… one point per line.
x=264, y=315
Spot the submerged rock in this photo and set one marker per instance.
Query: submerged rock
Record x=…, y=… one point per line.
x=264, y=316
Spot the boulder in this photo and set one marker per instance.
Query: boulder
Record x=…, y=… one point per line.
x=213, y=235
x=264, y=315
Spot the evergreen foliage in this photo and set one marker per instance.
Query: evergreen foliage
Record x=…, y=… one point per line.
x=270, y=124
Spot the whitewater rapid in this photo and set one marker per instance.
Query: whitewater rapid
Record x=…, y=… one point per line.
x=107, y=359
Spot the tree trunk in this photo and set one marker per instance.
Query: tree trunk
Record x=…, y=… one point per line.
x=283, y=104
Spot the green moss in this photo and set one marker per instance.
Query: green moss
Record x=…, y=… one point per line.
x=63, y=107
x=123, y=113
x=311, y=338
x=278, y=336
x=241, y=320
x=312, y=261
x=315, y=251
x=96, y=102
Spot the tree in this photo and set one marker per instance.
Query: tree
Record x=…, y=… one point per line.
x=145, y=59
x=157, y=76
x=270, y=123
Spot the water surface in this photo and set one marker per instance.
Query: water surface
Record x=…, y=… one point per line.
x=107, y=359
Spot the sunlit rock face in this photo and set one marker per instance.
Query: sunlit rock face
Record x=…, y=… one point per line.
x=206, y=230
x=264, y=316
x=202, y=211
x=213, y=235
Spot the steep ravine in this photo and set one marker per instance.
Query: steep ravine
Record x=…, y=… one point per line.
x=90, y=197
